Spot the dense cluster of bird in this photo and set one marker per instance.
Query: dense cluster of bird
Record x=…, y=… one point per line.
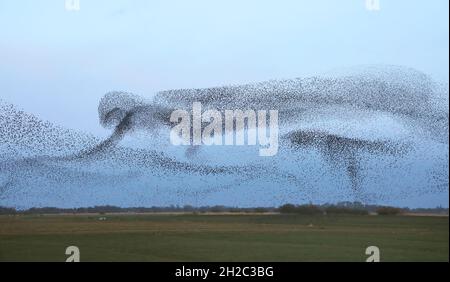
x=354, y=134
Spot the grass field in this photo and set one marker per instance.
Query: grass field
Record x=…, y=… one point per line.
x=188, y=237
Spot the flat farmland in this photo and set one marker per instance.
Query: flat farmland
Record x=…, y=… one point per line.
x=223, y=237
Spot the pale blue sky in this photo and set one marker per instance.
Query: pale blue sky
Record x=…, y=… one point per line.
x=57, y=64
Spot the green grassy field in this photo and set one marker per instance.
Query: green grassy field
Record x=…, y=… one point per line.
x=223, y=237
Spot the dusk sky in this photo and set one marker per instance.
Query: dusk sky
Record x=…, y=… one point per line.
x=57, y=63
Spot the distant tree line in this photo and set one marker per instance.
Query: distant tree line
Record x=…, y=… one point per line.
x=115, y=209
x=355, y=208
x=335, y=209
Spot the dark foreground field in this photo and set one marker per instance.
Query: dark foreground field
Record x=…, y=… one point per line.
x=223, y=237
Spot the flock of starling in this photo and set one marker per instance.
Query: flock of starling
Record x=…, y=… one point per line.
x=371, y=134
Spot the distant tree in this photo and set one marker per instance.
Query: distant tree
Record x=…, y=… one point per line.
x=308, y=209
x=302, y=209
x=5, y=210
x=388, y=211
x=188, y=208
x=287, y=208
x=345, y=210
x=218, y=209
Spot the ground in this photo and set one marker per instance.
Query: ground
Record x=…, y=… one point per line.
x=191, y=237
